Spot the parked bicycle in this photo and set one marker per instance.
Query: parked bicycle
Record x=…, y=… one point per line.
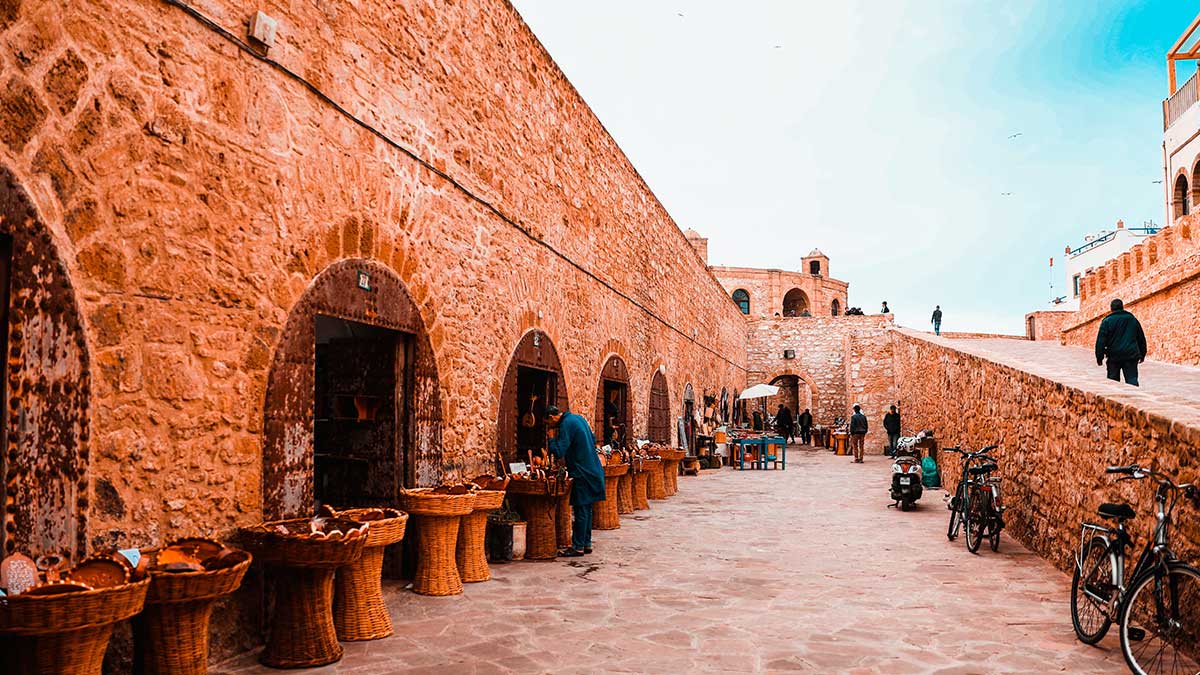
x=977, y=506
x=1158, y=612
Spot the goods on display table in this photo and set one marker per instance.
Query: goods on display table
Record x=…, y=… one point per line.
x=358, y=609
x=759, y=449
x=302, y=555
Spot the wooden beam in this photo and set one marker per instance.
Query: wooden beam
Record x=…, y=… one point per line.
x=1187, y=34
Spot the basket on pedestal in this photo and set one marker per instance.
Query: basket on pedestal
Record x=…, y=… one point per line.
x=172, y=630
x=64, y=634
x=562, y=520
x=358, y=609
x=655, y=488
x=537, y=500
x=469, y=553
x=670, y=468
x=605, y=513
x=625, y=492
x=302, y=563
x=640, y=483
x=436, y=517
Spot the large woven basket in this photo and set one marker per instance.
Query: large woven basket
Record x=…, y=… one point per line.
x=672, y=454
x=655, y=489
x=64, y=634
x=423, y=502
x=640, y=480
x=358, y=609
x=553, y=488
x=562, y=520
x=625, y=493
x=541, y=528
x=671, y=476
x=605, y=512
x=172, y=630
x=298, y=550
x=489, y=500
x=470, y=554
x=613, y=470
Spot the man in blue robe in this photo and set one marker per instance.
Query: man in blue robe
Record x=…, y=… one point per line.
x=572, y=441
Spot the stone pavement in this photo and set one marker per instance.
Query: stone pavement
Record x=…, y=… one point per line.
x=803, y=570
x=1169, y=390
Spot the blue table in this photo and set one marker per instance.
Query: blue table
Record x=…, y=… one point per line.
x=762, y=449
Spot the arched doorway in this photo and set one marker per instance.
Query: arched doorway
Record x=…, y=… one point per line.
x=659, y=426
x=612, y=403
x=353, y=411
x=45, y=391
x=1181, y=196
x=534, y=380
x=689, y=418
x=795, y=303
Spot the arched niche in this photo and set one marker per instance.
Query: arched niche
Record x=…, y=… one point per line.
x=533, y=380
x=613, y=403
x=795, y=303
x=659, y=420
x=46, y=388
x=1181, y=197
x=352, y=396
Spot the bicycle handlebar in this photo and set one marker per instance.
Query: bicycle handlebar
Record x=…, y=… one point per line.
x=1129, y=470
x=988, y=449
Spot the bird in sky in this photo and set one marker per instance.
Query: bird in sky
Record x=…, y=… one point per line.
x=1005, y=194
x=1156, y=182
x=778, y=46
x=1015, y=135
x=679, y=14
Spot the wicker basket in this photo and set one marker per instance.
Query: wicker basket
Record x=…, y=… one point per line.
x=489, y=500
x=670, y=472
x=437, y=519
x=625, y=493
x=640, y=480
x=655, y=488
x=562, y=519
x=358, y=609
x=423, y=502
x=605, y=512
x=470, y=553
x=302, y=634
x=172, y=631
x=550, y=487
x=541, y=530
x=672, y=454
x=64, y=634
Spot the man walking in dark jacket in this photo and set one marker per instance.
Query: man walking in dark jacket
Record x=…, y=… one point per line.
x=806, y=422
x=1121, y=339
x=891, y=423
x=858, y=433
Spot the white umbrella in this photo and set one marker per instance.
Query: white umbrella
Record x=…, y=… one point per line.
x=759, y=391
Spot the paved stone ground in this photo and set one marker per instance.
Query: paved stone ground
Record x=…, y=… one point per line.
x=1167, y=389
x=803, y=570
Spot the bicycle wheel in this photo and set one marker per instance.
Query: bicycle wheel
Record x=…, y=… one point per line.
x=1092, y=589
x=977, y=518
x=1160, y=623
x=956, y=505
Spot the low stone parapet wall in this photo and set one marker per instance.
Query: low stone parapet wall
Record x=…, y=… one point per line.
x=1055, y=437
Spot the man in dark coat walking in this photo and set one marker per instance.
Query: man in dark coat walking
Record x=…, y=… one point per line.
x=891, y=423
x=805, y=421
x=1121, y=339
x=858, y=433
x=783, y=423
x=571, y=440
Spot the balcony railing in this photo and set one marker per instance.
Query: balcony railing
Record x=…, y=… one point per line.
x=1146, y=231
x=1183, y=98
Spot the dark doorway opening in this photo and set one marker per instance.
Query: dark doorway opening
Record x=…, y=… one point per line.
x=612, y=403
x=361, y=410
x=660, y=410
x=538, y=388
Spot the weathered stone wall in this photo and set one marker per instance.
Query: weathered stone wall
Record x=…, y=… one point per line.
x=1159, y=281
x=1046, y=325
x=844, y=360
x=767, y=289
x=1055, y=440
x=195, y=193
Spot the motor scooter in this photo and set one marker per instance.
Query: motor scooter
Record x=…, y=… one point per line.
x=906, y=477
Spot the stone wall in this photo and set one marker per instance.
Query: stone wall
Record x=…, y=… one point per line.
x=196, y=194
x=1046, y=325
x=767, y=289
x=1159, y=281
x=843, y=360
x=1055, y=440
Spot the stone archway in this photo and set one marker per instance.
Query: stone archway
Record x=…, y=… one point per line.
x=288, y=428
x=534, y=379
x=795, y=303
x=613, y=402
x=659, y=421
x=46, y=390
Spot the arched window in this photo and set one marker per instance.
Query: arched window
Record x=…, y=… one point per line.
x=742, y=298
x=1181, y=196
x=835, y=307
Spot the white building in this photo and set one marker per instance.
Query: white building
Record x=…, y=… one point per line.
x=1181, y=131
x=1096, y=250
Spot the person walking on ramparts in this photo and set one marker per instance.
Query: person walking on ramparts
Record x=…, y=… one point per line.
x=1122, y=341
x=937, y=320
x=858, y=433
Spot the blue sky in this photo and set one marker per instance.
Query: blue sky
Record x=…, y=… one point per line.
x=878, y=132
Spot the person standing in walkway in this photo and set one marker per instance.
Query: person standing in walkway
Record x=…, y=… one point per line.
x=806, y=422
x=937, y=320
x=858, y=433
x=885, y=309
x=891, y=423
x=1122, y=341
x=571, y=440
x=783, y=422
